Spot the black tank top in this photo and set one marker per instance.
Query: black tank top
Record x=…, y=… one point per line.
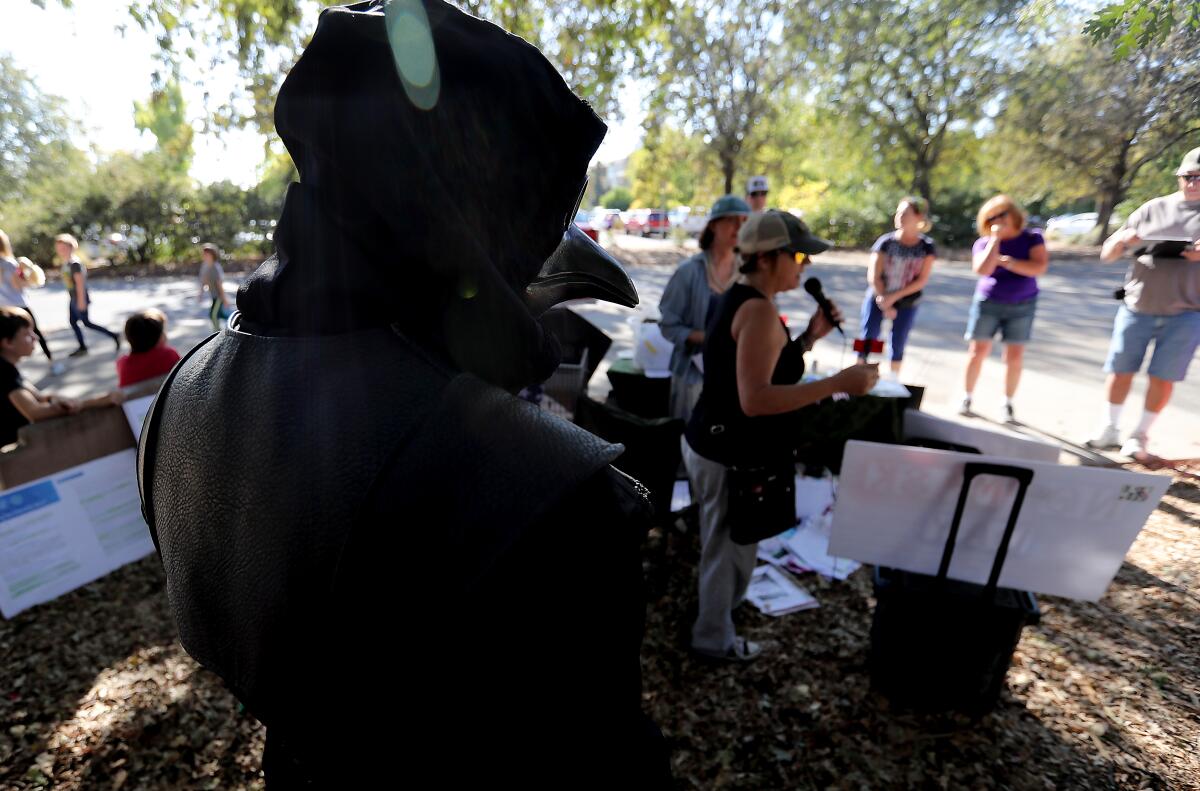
x=719, y=430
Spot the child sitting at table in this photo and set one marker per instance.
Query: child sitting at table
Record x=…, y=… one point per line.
x=22, y=403
x=150, y=356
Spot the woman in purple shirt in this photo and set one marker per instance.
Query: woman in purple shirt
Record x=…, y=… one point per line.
x=1008, y=258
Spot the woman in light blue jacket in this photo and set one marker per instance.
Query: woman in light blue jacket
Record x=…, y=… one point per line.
x=691, y=295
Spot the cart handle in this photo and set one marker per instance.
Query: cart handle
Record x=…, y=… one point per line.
x=971, y=470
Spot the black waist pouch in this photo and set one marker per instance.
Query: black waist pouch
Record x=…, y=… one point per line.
x=762, y=501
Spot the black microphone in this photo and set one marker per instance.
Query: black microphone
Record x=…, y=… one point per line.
x=813, y=287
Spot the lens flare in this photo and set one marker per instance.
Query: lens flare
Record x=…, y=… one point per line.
x=413, y=52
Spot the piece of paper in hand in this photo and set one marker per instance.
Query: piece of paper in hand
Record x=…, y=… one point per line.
x=774, y=593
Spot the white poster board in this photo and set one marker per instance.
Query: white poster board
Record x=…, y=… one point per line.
x=63, y=531
x=989, y=443
x=895, y=505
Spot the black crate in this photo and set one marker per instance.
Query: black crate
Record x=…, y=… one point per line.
x=939, y=644
x=943, y=648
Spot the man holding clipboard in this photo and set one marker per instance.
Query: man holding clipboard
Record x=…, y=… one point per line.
x=1160, y=302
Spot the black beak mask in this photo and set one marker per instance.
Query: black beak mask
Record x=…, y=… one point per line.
x=438, y=158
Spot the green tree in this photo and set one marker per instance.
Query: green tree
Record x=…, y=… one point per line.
x=911, y=73
x=718, y=66
x=617, y=198
x=35, y=133
x=164, y=115
x=672, y=169
x=1092, y=123
x=1130, y=25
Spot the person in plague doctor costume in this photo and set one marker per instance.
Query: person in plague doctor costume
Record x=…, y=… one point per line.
x=399, y=567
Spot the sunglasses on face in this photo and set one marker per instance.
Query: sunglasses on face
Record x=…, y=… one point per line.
x=1191, y=178
x=997, y=216
x=758, y=194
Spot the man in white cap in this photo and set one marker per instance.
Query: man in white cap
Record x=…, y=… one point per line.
x=1161, y=302
x=756, y=193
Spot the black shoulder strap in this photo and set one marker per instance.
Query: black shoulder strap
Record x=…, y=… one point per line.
x=148, y=442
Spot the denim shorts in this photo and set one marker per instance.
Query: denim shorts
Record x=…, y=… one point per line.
x=1014, y=321
x=1175, y=341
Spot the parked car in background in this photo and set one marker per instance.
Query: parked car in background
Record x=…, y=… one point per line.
x=635, y=221
x=605, y=219
x=648, y=222
x=657, y=224
x=697, y=218
x=585, y=224
x=1069, y=225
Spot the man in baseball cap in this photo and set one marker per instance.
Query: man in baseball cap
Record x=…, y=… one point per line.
x=1161, y=302
x=756, y=192
x=778, y=230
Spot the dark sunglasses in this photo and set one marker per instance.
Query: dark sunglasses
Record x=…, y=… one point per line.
x=997, y=216
x=758, y=193
x=1191, y=178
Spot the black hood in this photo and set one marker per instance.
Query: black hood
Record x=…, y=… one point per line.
x=430, y=201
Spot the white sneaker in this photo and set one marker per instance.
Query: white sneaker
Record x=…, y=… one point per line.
x=1135, y=446
x=1107, y=439
x=964, y=407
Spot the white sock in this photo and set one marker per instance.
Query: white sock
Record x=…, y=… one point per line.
x=1143, y=428
x=1114, y=414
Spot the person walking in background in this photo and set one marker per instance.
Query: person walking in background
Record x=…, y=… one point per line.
x=149, y=354
x=212, y=278
x=1008, y=258
x=756, y=193
x=12, y=292
x=901, y=262
x=1161, y=302
x=74, y=275
x=691, y=296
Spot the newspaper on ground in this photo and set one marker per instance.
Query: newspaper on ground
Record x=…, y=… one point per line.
x=774, y=593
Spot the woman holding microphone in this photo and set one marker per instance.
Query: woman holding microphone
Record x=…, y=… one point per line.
x=750, y=397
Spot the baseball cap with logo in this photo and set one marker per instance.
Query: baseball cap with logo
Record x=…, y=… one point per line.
x=757, y=184
x=1190, y=164
x=778, y=230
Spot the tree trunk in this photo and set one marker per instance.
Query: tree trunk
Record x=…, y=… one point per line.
x=1110, y=195
x=1112, y=191
x=921, y=182
x=728, y=165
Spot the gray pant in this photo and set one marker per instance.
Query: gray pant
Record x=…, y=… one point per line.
x=725, y=567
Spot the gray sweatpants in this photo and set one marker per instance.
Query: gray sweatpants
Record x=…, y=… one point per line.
x=725, y=567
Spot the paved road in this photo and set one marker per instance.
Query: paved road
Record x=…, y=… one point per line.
x=1061, y=393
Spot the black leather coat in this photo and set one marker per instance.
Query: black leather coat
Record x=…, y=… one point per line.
x=398, y=567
